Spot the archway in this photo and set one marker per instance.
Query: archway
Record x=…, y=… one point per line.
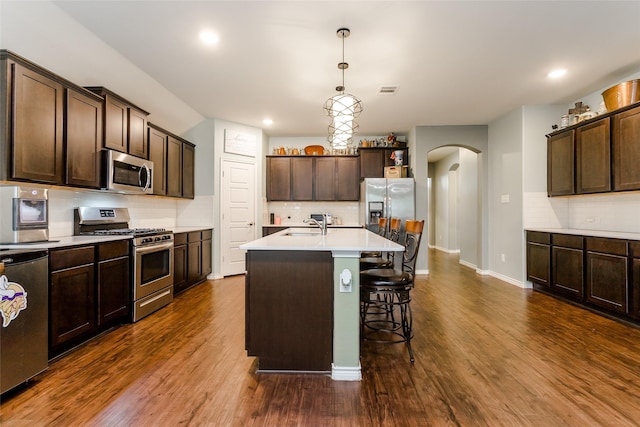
x=454, y=202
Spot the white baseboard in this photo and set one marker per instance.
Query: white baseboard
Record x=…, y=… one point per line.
x=422, y=272
x=213, y=276
x=468, y=264
x=346, y=373
x=449, y=251
x=508, y=279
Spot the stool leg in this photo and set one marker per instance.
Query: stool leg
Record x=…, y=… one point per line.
x=407, y=328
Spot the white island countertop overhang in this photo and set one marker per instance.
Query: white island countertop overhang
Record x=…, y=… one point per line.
x=337, y=240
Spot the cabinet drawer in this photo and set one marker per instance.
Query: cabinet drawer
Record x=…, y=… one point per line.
x=634, y=249
x=207, y=234
x=179, y=239
x=567, y=241
x=66, y=258
x=608, y=246
x=110, y=250
x=538, y=237
x=194, y=236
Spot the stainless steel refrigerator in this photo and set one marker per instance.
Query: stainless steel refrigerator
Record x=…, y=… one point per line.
x=387, y=197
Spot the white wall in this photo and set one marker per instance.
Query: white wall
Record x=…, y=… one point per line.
x=44, y=34
x=505, y=197
x=428, y=138
x=468, y=208
x=445, y=203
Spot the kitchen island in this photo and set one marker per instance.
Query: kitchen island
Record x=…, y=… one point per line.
x=302, y=299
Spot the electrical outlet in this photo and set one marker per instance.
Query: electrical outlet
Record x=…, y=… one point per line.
x=346, y=280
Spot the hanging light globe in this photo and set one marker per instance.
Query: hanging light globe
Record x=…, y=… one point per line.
x=343, y=108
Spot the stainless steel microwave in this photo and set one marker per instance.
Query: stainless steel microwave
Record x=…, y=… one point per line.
x=124, y=173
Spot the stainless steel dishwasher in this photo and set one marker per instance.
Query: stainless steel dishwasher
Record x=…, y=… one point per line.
x=24, y=300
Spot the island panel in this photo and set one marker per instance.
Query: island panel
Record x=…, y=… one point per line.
x=289, y=309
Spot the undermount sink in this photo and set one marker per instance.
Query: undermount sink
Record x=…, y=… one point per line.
x=302, y=233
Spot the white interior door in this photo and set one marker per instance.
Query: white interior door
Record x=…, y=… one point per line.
x=238, y=214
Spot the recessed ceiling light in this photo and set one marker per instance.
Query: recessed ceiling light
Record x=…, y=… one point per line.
x=209, y=38
x=267, y=122
x=556, y=74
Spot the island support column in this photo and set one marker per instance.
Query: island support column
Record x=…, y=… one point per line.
x=346, y=318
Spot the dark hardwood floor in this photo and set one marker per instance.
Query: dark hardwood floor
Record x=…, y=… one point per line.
x=487, y=353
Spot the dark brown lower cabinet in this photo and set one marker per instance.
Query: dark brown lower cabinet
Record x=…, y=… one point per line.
x=192, y=258
x=179, y=262
x=539, y=259
x=607, y=283
x=568, y=265
x=289, y=309
x=634, y=300
x=114, y=285
x=596, y=272
x=90, y=291
x=72, y=295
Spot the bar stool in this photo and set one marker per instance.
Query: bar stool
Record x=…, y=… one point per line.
x=384, y=289
x=382, y=231
x=369, y=261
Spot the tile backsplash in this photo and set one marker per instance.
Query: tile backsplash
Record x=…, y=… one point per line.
x=618, y=212
x=296, y=212
x=159, y=214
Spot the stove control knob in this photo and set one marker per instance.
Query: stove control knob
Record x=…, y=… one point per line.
x=157, y=239
x=147, y=240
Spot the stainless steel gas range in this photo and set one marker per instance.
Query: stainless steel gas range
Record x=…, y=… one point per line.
x=151, y=255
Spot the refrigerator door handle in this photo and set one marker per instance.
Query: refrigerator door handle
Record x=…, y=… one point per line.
x=387, y=207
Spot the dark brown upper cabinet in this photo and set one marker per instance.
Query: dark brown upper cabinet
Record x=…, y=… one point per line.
x=158, y=155
x=174, y=167
x=313, y=178
x=599, y=155
x=278, y=178
x=188, y=170
x=125, y=125
x=336, y=179
x=373, y=160
x=302, y=178
x=626, y=150
x=173, y=162
x=560, y=164
x=593, y=157
x=83, y=138
x=32, y=111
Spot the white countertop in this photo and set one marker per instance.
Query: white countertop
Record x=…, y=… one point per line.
x=185, y=229
x=59, y=242
x=589, y=233
x=336, y=240
x=305, y=225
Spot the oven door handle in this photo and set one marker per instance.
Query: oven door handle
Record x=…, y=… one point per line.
x=153, y=248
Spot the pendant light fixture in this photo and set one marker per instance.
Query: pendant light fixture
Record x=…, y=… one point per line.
x=343, y=108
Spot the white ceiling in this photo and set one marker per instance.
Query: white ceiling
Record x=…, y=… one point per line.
x=455, y=63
